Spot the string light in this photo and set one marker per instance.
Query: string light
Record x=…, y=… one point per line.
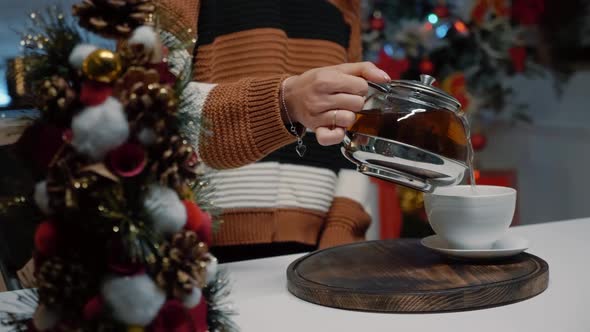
x=460, y=27
x=432, y=18
x=388, y=49
x=441, y=31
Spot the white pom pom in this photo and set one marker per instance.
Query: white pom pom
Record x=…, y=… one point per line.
x=212, y=268
x=80, y=53
x=99, y=129
x=44, y=318
x=147, y=136
x=192, y=300
x=165, y=209
x=146, y=36
x=41, y=197
x=134, y=300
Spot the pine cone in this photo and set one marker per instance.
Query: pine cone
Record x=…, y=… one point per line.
x=57, y=99
x=184, y=262
x=148, y=103
x=62, y=283
x=114, y=18
x=134, y=55
x=176, y=162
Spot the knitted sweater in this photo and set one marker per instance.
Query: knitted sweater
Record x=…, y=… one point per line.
x=243, y=52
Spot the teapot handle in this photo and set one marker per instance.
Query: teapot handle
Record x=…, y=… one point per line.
x=381, y=87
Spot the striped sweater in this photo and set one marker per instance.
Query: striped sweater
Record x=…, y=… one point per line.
x=244, y=50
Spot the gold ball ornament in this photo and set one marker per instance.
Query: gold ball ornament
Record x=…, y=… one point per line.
x=102, y=66
x=411, y=201
x=134, y=328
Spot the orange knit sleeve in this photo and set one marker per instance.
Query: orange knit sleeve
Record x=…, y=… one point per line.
x=346, y=222
x=243, y=122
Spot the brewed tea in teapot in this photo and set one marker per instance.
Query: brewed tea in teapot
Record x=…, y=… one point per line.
x=410, y=133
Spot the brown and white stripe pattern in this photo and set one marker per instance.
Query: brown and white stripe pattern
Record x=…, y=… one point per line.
x=244, y=50
x=274, y=185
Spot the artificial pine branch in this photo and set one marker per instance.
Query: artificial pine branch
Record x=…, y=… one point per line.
x=48, y=40
x=219, y=310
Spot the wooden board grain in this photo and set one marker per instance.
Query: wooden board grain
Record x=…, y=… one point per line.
x=404, y=276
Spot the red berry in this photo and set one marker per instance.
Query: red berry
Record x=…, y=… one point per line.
x=46, y=238
x=205, y=232
x=478, y=141
x=173, y=316
x=194, y=215
x=199, y=316
x=94, y=93
x=93, y=308
x=377, y=23
x=442, y=11
x=426, y=66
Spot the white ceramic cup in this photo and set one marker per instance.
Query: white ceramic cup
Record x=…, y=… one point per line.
x=470, y=220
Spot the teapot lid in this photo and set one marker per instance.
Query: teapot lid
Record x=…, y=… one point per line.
x=424, y=91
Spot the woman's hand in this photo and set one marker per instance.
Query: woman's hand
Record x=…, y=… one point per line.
x=326, y=99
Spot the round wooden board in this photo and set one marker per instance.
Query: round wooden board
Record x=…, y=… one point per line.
x=404, y=276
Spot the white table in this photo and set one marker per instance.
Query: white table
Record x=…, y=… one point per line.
x=264, y=304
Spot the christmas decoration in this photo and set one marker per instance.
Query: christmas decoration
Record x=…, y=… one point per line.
x=114, y=18
x=183, y=271
x=58, y=99
x=480, y=41
x=478, y=141
x=102, y=66
x=122, y=243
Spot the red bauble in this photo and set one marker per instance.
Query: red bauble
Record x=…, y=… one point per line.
x=199, y=315
x=173, y=317
x=46, y=238
x=94, y=93
x=205, y=232
x=393, y=67
x=377, y=23
x=128, y=160
x=518, y=56
x=194, y=216
x=441, y=11
x=479, y=11
x=426, y=66
x=478, y=141
x=93, y=308
x=463, y=100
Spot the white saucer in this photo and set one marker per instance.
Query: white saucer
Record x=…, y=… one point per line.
x=507, y=246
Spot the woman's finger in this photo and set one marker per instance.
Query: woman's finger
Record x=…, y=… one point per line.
x=344, y=101
x=327, y=136
x=335, y=118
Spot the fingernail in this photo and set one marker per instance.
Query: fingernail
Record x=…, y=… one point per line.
x=385, y=76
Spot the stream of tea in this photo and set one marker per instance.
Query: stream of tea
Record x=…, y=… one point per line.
x=438, y=131
x=470, y=153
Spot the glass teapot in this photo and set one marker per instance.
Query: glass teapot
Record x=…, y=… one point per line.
x=410, y=133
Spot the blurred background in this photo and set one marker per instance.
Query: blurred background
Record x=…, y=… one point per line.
x=520, y=68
